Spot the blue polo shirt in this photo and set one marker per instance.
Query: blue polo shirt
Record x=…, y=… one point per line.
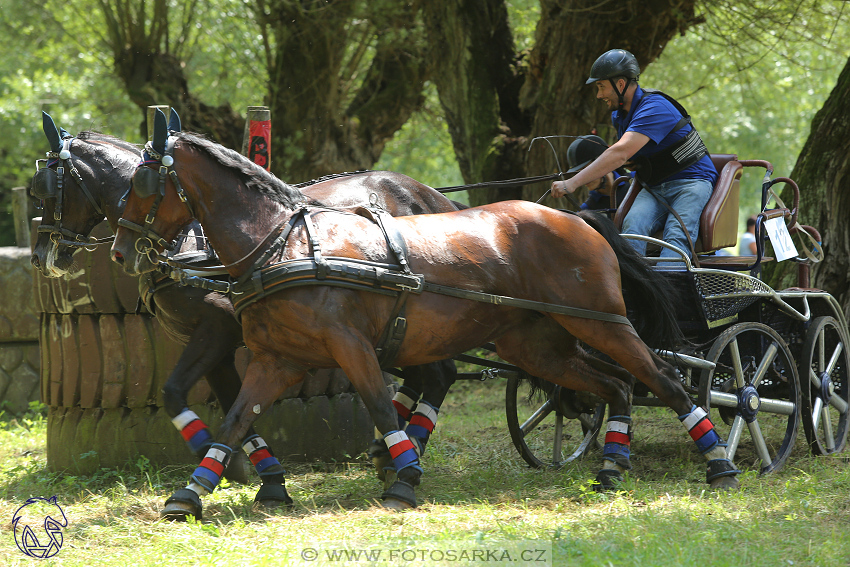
x=655, y=117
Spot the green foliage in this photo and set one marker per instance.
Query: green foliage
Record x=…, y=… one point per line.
x=753, y=78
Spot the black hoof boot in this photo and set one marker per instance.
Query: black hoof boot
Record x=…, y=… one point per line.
x=607, y=479
x=181, y=505
x=273, y=496
x=721, y=475
x=399, y=496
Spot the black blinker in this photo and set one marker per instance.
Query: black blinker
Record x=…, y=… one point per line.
x=45, y=184
x=145, y=182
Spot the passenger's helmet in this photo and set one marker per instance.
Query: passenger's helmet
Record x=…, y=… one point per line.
x=584, y=150
x=614, y=63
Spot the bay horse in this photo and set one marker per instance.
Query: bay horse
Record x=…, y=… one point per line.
x=514, y=249
x=96, y=174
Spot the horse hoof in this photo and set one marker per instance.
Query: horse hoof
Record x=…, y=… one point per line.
x=396, y=505
x=725, y=483
x=181, y=505
x=238, y=469
x=607, y=479
x=273, y=496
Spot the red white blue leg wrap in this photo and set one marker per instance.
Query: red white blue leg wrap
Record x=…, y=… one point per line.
x=701, y=429
x=401, y=450
x=404, y=401
x=618, y=440
x=193, y=430
x=208, y=474
x=422, y=423
x=261, y=456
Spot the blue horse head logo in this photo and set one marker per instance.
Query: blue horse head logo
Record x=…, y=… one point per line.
x=39, y=512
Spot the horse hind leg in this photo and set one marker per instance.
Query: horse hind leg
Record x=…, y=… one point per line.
x=545, y=350
x=622, y=343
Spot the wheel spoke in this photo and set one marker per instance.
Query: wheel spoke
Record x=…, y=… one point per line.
x=813, y=378
x=532, y=422
x=734, y=437
x=838, y=403
x=769, y=357
x=736, y=363
x=834, y=359
x=828, y=435
x=758, y=441
x=816, y=412
x=559, y=432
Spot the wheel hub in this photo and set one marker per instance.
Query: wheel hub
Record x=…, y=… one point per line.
x=749, y=403
x=827, y=387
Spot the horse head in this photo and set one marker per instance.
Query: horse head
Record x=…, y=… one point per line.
x=80, y=182
x=153, y=214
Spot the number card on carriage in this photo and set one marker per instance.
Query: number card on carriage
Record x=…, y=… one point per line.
x=783, y=246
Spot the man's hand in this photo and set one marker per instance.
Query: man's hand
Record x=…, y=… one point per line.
x=561, y=188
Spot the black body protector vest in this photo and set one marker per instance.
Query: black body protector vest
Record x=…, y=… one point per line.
x=652, y=170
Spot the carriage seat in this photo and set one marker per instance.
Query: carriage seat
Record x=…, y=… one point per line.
x=718, y=227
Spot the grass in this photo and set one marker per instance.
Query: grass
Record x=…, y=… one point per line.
x=476, y=492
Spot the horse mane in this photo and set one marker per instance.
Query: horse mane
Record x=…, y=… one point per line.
x=89, y=136
x=250, y=174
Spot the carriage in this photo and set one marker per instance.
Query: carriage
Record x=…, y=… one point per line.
x=762, y=361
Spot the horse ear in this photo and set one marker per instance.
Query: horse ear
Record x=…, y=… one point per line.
x=174, y=122
x=51, y=131
x=160, y=132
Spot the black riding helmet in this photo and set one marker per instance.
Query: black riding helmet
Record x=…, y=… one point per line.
x=584, y=150
x=613, y=64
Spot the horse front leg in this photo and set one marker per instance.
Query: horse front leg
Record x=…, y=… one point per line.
x=356, y=357
x=265, y=380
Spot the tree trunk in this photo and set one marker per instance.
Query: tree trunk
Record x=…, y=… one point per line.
x=333, y=108
x=497, y=100
x=822, y=172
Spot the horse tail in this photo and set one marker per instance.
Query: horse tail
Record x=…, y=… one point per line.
x=650, y=297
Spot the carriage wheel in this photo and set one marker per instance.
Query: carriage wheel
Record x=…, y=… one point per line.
x=824, y=366
x=755, y=390
x=550, y=429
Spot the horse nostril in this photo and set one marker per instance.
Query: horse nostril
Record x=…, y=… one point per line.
x=34, y=261
x=117, y=257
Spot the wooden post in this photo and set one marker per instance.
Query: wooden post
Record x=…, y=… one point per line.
x=152, y=112
x=22, y=212
x=257, y=139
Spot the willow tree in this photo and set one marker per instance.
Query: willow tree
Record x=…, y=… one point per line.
x=822, y=172
x=344, y=76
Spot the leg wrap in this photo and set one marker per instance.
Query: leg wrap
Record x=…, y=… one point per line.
x=618, y=439
x=718, y=468
x=404, y=400
x=193, y=430
x=208, y=473
x=422, y=423
x=701, y=429
x=402, y=451
x=262, y=458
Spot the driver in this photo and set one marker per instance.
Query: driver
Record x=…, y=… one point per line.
x=657, y=140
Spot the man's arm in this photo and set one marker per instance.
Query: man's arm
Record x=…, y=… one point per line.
x=611, y=159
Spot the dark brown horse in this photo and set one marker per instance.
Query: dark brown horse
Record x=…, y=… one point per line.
x=96, y=174
x=514, y=249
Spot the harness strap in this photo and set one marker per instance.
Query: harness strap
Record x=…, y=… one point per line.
x=525, y=304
